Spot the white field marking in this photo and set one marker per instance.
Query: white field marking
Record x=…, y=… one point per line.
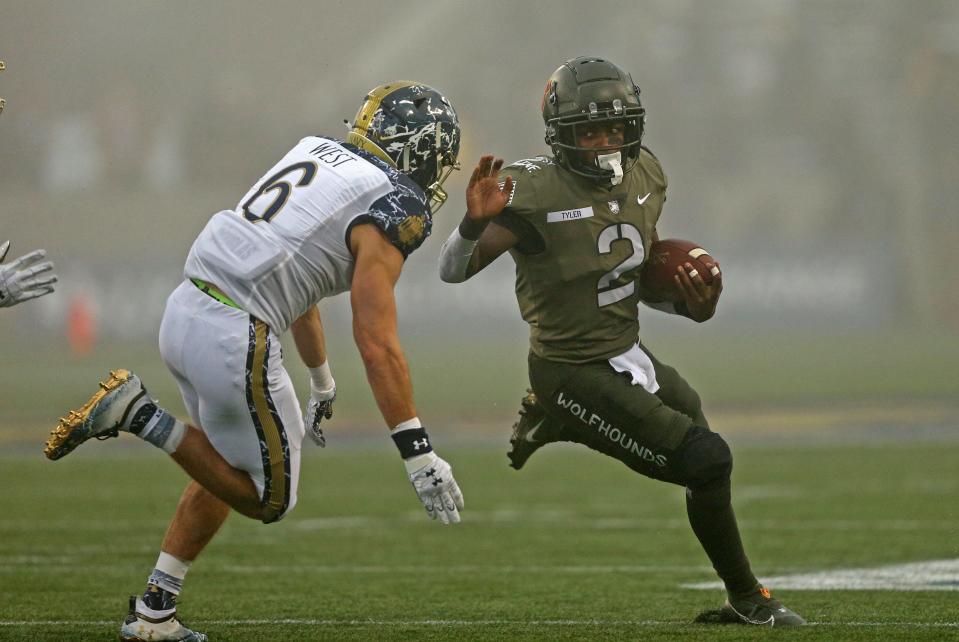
x=825, y=525
x=465, y=568
x=633, y=523
x=572, y=520
x=97, y=569
x=347, y=522
x=39, y=560
x=746, y=493
x=360, y=569
x=64, y=548
x=450, y=623
x=569, y=519
x=74, y=525
x=68, y=556
x=933, y=575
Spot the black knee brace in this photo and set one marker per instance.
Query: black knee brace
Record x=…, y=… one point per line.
x=706, y=464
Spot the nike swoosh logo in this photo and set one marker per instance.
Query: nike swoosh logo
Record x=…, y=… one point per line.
x=771, y=620
x=532, y=431
x=643, y=199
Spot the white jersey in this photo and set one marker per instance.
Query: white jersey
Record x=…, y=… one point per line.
x=286, y=245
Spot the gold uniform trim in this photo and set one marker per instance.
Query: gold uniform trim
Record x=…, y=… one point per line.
x=361, y=122
x=276, y=499
x=364, y=116
x=64, y=438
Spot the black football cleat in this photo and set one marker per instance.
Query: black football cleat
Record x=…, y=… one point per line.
x=533, y=431
x=758, y=608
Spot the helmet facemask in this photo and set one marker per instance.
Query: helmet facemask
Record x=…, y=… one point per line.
x=563, y=133
x=427, y=155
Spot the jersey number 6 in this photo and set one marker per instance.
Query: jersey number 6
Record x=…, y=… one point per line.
x=282, y=188
x=607, y=295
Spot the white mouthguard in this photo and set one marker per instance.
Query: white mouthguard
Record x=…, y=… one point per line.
x=612, y=162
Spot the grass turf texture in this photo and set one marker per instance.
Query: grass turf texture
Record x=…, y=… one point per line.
x=575, y=546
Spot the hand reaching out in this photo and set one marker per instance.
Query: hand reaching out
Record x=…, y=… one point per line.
x=485, y=198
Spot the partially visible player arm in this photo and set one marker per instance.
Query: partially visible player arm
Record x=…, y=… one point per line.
x=25, y=278
x=377, y=267
x=309, y=338
x=475, y=243
x=311, y=344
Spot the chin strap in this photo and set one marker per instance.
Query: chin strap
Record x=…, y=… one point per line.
x=611, y=162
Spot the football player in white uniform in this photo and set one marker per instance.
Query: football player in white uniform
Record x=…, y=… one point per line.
x=331, y=216
x=24, y=278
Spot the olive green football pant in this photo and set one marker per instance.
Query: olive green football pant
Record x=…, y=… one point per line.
x=602, y=409
x=663, y=435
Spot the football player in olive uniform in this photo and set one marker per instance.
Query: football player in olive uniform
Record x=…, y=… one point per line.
x=579, y=226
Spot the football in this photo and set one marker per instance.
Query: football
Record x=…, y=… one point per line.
x=665, y=256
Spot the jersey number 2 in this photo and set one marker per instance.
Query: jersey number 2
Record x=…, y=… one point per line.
x=282, y=187
x=607, y=295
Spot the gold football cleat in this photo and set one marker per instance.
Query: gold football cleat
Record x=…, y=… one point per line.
x=77, y=426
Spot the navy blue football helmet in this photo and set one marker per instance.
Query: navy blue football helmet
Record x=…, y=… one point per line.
x=414, y=128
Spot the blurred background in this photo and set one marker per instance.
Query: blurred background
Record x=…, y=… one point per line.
x=811, y=146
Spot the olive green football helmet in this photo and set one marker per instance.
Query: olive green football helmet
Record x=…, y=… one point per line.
x=585, y=91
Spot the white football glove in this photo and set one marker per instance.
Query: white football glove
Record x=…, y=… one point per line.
x=21, y=281
x=318, y=408
x=433, y=482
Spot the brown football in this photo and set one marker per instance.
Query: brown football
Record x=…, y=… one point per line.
x=665, y=256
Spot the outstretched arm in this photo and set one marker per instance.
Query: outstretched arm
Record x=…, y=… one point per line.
x=475, y=243
x=376, y=270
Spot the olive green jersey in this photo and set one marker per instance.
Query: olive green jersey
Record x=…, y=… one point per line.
x=580, y=251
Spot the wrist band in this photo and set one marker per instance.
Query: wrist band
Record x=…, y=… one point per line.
x=412, y=442
x=321, y=377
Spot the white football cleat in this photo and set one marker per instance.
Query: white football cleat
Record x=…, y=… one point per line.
x=140, y=627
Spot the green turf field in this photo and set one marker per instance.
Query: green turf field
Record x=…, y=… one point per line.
x=575, y=546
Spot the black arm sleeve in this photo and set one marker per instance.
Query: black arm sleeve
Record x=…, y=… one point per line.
x=530, y=241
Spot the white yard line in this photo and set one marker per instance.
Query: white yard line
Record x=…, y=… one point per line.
x=361, y=569
x=569, y=519
x=930, y=575
x=461, y=623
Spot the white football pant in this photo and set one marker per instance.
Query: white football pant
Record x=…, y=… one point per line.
x=229, y=367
